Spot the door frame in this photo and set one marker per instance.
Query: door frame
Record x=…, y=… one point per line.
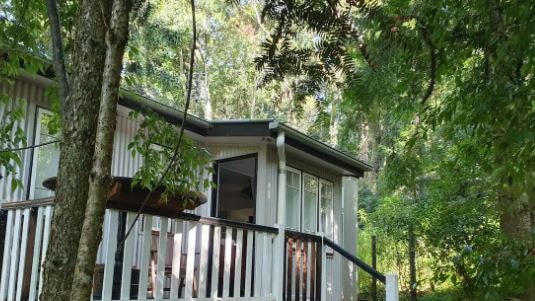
x=215, y=179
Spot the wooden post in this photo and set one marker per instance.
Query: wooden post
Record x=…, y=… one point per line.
x=392, y=293
x=374, y=266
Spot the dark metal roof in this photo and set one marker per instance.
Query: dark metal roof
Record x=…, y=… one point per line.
x=248, y=128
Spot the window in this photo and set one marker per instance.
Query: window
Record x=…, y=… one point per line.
x=310, y=203
x=293, y=198
x=45, y=158
x=306, y=195
x=326, y=225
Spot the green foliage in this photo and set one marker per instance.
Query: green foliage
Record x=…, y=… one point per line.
x=156, y=141
x=442, y=95
x=11, y=136
x=496, y=271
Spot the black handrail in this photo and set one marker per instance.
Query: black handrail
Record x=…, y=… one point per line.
x=307, y=236
x=225, y=223
x=361, y=264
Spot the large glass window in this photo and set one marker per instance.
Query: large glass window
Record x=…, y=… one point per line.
x=293, y=198
x=310, y=203
x=45, y=158
x=326, y=208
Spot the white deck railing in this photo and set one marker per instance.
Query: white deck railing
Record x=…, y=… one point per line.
x=193, y=258
x=182, y=258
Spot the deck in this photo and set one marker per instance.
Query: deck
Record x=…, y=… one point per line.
x=183, y=257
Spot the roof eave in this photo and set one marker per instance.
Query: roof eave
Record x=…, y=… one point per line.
x=300, y=140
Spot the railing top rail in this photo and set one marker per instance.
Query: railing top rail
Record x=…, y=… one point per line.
x=361, y=264
x=27, y=204
x=307, y=236
x=148, y=210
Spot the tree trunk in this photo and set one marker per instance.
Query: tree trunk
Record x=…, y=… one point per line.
x=100, y=179
x=78, y=123
x=374, y=265
x=412, y=264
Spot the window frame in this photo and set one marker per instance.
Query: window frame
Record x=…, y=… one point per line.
x=215, y=175
x=316, y=205
x=300, y=190
x=320, y=180
x=320, y=226
x=39, y=112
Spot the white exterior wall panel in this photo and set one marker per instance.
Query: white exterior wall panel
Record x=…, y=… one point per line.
x=27, y=95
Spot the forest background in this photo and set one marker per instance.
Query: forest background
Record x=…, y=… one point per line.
x=436, y=96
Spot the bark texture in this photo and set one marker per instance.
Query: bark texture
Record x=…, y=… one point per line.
x=78, y=122
x=100, y=179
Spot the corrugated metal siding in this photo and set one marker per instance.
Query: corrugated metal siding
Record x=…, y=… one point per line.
x=124, y=164
x=27, y=95
x=31, y=96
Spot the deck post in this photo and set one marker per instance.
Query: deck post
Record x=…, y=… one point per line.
x=278, y=263
x=392, y=293
x=323, y=270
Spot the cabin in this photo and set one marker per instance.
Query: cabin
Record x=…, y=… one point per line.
x=280, y=223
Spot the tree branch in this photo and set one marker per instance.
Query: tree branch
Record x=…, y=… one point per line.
x=28, y=147
x=432, y=65
x=176, y=152
x=57, y=50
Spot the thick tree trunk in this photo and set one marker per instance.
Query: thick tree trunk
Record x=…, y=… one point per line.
x=100, y=180
x=78, y=123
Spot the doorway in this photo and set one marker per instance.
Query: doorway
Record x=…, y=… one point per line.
x=235, y=192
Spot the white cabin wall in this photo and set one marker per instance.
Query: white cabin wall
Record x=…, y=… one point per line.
x=29, y=96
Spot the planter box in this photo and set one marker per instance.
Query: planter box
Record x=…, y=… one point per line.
x=124, y=196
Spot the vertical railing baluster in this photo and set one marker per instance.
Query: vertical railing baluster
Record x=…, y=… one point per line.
x=289, y=268
x=190, y=261
x=128, y=247
x=158, y=290
x=227, y=267
x=49, y=211
x=237, y=263
x=14, y=255
x=145, y=257
x=22, y=253
x=110, y=245
x=215, y=262
x=203, y=268
x=249, y=263
x=36, y=254
x=7, y=255
x=177, y=257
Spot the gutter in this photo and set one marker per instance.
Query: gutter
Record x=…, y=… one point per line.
x=299, y=138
